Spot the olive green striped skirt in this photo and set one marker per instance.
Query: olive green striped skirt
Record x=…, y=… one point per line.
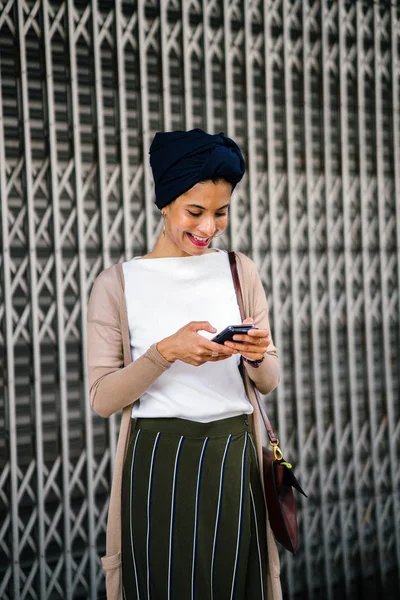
x=193, y=515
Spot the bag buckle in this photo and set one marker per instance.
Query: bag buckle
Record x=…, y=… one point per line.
x=277, y=451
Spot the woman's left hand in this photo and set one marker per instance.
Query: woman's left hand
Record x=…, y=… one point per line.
x=253, y=344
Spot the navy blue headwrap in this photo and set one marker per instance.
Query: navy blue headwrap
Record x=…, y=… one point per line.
x=180, y=159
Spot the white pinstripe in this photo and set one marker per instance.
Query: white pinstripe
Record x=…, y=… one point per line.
x=258, y=542
x=148, y=515
x=130, y=508
x=196, y=513
x=172, y=517
x=240, y=515
x=218, y=513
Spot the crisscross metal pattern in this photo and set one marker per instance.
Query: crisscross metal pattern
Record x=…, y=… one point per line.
x=311, y=91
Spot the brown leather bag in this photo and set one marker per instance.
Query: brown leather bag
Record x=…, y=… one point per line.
x=279, y=479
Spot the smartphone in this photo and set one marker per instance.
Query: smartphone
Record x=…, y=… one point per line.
x=227, y=334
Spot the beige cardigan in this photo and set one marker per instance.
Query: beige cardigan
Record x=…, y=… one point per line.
x=116, y=382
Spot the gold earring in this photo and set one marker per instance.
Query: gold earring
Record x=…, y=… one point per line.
x=163, y=228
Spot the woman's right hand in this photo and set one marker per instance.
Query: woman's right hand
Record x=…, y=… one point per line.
x=192, y=348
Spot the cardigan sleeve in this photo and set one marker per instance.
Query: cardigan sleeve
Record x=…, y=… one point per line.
x=112, y=386
x=266, y=375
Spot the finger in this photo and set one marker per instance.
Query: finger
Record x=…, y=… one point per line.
x=202, y=325
x=214, y=351
x=221, y=352
x=258, y=333
x=257, y=341
x=242, y=347
x=220, y=348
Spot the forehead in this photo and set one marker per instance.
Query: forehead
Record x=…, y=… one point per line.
x=208, y=193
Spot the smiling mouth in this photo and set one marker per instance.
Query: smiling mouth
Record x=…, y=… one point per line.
x=198, y=241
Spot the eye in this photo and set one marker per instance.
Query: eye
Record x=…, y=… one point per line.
x=219, y=215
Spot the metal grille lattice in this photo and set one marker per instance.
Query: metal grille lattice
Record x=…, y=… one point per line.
x=311, y=91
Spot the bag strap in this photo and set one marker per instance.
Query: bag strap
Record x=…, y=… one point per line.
x=238, y=289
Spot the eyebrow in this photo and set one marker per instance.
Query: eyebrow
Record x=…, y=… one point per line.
x=203, y=208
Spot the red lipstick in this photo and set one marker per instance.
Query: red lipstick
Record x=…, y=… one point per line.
x=197, y=242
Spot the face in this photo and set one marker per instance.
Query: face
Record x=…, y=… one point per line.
x=194, y=218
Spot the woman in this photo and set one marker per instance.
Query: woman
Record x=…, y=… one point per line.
x=187, y=517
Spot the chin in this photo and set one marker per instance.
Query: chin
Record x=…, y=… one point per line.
x=196, y=251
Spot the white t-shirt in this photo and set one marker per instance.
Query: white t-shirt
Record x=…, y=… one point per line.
x=164, y=294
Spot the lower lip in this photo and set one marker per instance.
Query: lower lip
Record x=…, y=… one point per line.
x=197, y=243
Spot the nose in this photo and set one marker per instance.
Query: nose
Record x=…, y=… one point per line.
x=207, y=226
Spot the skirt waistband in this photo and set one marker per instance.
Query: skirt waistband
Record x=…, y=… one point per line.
x=233, y=425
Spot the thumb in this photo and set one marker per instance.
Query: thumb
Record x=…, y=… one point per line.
x=203, y=325
x=248, y=321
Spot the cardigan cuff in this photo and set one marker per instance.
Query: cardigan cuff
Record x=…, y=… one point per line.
x=158, y=358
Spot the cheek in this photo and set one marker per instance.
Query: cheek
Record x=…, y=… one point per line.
x=185, y=223
x=222, y=223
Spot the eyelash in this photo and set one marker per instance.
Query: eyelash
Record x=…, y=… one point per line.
x=192, y=214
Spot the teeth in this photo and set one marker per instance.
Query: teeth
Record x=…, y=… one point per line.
x=199, y=239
